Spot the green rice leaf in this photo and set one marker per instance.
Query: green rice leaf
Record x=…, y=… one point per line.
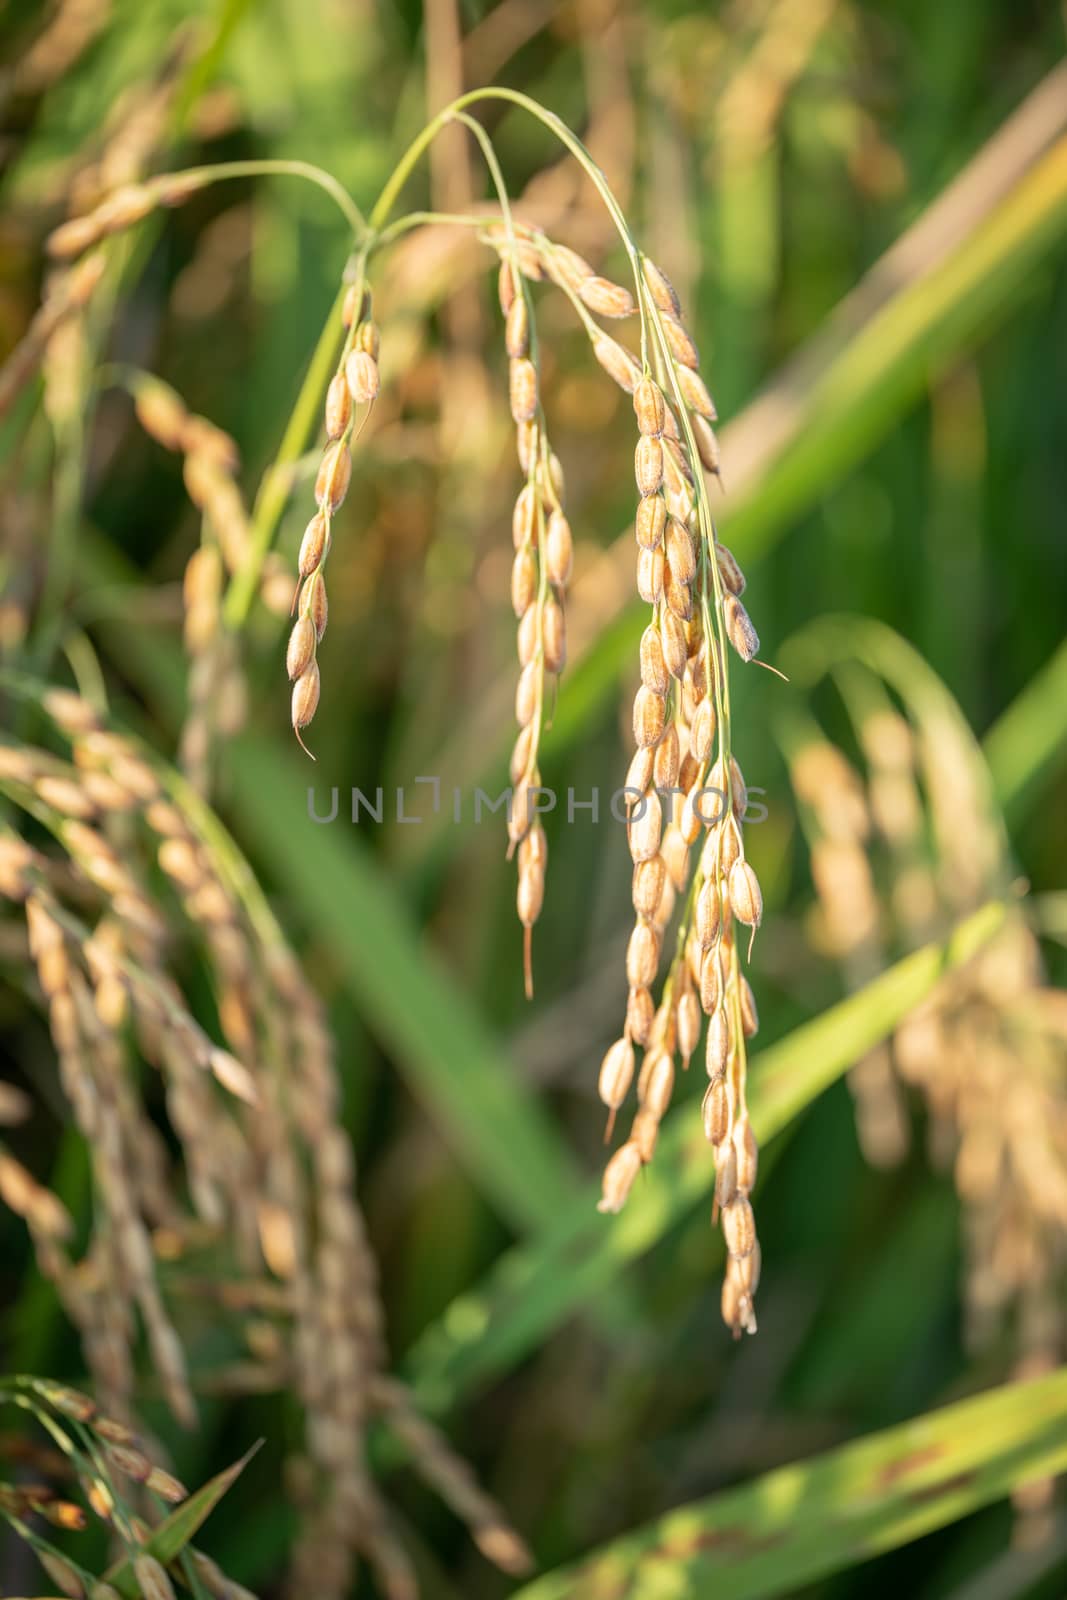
x=802, y=1522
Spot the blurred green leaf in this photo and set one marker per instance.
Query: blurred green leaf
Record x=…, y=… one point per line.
x=890, y=359
x=1030, y=736
x=802, y=1522
x=401, y=986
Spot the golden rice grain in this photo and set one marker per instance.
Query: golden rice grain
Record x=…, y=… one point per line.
x=522, y=389
x=607, y=299
x=661, y=288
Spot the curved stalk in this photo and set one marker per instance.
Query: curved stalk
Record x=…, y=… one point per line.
x=279, y=168
x=408, y=161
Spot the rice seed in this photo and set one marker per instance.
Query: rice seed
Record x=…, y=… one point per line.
x=644, y=1133
x=662, y=1036
x=702, y=730
x=648, y=465
x=161, y=413
x=520, y=754
x=642, y=956
x=638, y=774
x=649, y=407
x=152, y=1579
x=616, y=1074
x=666, y=905
x=717, y=1047
x=706, y=443
x=73, y=238
x=746, y=897
x=649, y=716
x=689, y=1025
x=313, y=602
x=71, y=1402
x=710, y=977
x=736, y=1304
x=314, y=546
x=681, y=557
x=747, y=1155
x=679, y=342
x=657, y=1084
x=533, y=851
x=129, y=1461
x=305, y=697
x=522, y=389
x=651, y=521
x=228, y=1071
x=301, y=650
x=554, y=635
x=640, y=1012
x=691, y=825
x=678, y=595
x=729, y=571
x=739, y=629
x=368, y=339
x=666, y=760
x=363, y=376
x=737, y=789
x=607, y=299
x=647, y=889
x=731, y=846
x=650, y=575
x=715, y=1111
x=517, y=329
x=679, y=477
x=506, y=287
x=526, y=637
x=654, y=674
x=660, y=288
x=619, y=1175
x=747, y=1273
x=523, y=581
x=526, y=694
x=617, y=362
x=675, y=857
x=739, y=1226
x=695, y=394
x=559, y=549
x=335, y=473
x=167, y=1486
x=675, y=645
x=530, y=897
x=568, y=266
x=645, y=828
x=529, y=261
x=524, y=516
x=61, y=1573
x=749, y=1013
x=338, y=406
x=356, y=306
x=725, y=1175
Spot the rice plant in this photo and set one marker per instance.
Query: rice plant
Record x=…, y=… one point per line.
x=298, y=1162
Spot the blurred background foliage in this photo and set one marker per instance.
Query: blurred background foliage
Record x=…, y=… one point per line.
x=893, y=447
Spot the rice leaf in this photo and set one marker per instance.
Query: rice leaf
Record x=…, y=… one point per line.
x=817, y=1517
